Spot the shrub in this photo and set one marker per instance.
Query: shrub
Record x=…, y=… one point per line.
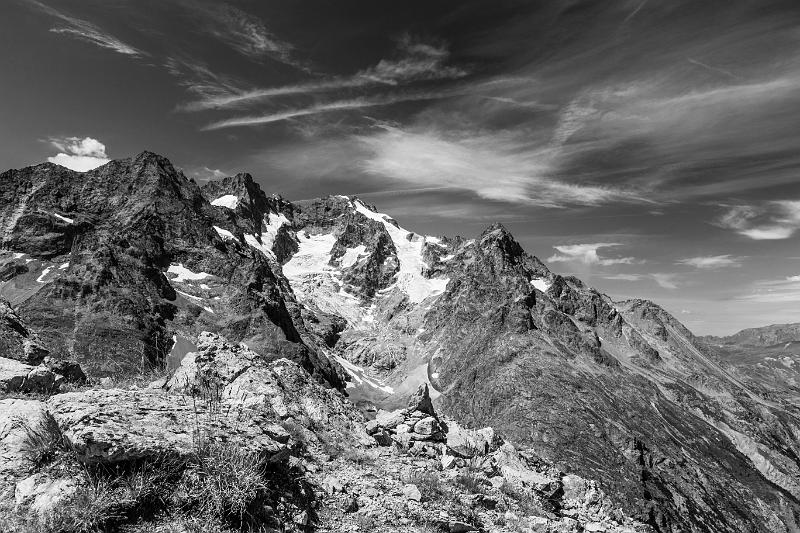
x=43, y=441
x=428, y=484
x=470, y=482
x=225, y=481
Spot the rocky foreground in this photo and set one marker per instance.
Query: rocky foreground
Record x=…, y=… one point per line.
x=229, y=442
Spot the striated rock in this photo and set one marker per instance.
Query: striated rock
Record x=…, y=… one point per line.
x=17, y=340
x=421, y=401
x=17, y=376
x=116, y=426
x=468, y=442
x=23, y=423
x=238, y=376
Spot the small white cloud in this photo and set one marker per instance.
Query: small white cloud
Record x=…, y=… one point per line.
x=667, y=281
x=712, y=261
x=207, y=174
x=587, y=254
x=771, y=221
x=79, y=154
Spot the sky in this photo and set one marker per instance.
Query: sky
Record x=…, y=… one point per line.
x=650, y=148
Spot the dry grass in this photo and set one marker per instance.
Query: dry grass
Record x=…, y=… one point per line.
x=428, y=484
x=470, y=482
x=225, y=481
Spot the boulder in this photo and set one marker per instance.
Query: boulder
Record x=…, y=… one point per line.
x=389, y=419
x=23, y=424
x=17, y=341
x=514, y=469
x=421, y=401
x=412, y=493
x=115, y=425
x=372, y=427
x=16, y=376
x=42, y=495
x=332, y=485
x=382, y=438
x=465, y=442
x=427, y=426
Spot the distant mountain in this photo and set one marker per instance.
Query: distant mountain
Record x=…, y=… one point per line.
x=124, y=266
x=764, y=336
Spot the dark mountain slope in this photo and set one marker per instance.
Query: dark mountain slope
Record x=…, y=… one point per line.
x=90, y=251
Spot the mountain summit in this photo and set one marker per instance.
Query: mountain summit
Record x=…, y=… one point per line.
x=132, y=266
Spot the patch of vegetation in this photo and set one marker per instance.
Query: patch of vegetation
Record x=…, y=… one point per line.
x=428, y=484
x=471, y=483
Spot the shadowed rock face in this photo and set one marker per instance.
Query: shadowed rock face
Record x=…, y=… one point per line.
x=100, y=243
x=107, y=266
x=17, y=341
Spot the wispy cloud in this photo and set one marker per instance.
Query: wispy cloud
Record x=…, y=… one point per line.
x=494, y=165
x=417, y=61
x=665, y=280
x=774, y=220
x=241, y=31
x=711, y=262
x=662, y=279
x=88, y=32
x=198, y=78
x=79, y=154
x=587, y=254
x=774, y=291
x=625, y=277
x=341, y=105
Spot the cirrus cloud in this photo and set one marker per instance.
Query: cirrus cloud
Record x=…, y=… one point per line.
x=712, y=261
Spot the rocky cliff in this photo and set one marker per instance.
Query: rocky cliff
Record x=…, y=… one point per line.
x=122, y=268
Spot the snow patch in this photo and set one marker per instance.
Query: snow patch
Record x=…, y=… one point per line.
x=195, y=299
x=313, y=254
x=225, y=234
x=183, y=274
x=44, y=273
x=357, y=373
x=229, y=200
x=541, y=284
x=272, y=223
x=18, y=255
x=63, y=266
x=351, y=256
x=65, y=219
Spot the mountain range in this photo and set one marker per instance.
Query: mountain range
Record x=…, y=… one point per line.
x=133, y=267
